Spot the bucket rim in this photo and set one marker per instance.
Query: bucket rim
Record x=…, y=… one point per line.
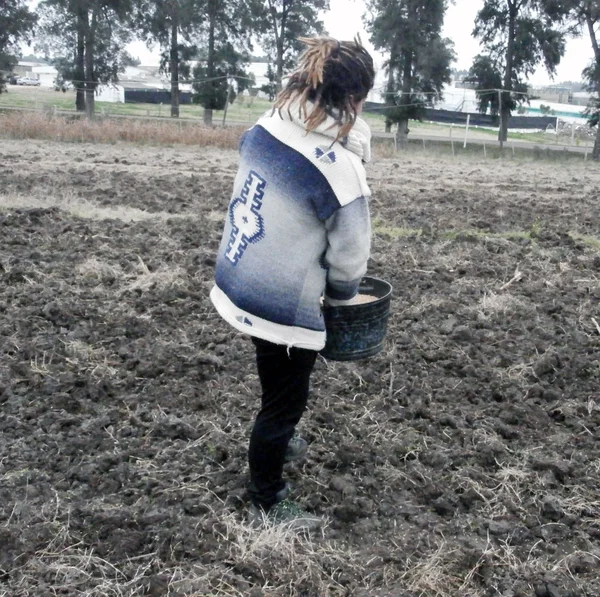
x=390, y=288
x=386, y=297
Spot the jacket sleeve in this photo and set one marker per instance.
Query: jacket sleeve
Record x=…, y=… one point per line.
x=348, y=250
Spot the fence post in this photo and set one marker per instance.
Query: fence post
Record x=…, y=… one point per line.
x=467, y=130
x=229, y=85
x=500, y=120
x=484, y=150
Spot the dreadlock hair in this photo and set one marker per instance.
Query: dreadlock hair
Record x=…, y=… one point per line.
x=333, y=75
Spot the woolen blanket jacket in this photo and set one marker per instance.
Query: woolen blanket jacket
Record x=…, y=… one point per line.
x=298, y=226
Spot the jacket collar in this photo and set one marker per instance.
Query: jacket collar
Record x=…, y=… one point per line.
x=358, y=140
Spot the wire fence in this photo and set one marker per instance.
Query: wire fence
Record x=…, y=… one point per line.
x=570, y=133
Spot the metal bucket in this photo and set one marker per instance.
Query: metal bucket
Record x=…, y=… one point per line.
x=357, y=331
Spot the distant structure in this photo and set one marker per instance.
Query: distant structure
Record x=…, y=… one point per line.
x=464, y=84
x=558, y=94
x=553, y=93
x=41, y=71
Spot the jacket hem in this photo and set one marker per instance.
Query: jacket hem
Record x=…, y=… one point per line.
x=261, y=328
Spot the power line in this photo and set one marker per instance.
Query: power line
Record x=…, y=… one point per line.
x=185, y=82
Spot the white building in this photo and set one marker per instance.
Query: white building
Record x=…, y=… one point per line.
x=45, y=74
x=135, y=77
x=465, y=100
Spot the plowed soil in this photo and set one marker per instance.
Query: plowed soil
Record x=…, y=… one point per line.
x=462, y=460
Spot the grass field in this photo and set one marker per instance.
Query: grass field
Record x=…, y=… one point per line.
x=246, y=110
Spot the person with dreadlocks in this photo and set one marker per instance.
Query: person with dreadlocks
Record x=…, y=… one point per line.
x=297, y=233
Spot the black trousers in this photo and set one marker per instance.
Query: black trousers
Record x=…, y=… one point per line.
x=284, y=377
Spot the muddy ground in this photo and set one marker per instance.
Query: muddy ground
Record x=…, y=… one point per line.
x=463, y=460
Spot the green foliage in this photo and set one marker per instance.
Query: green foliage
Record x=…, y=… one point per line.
x=225, y=46
x=129, y=60
x=186, y=53
x=16, y=24
x=280, y=23
x=60, y=21
x=270, y=88
x=517, y=36
x=229, y=78
x=487, y=77
x=172, y=25
x=591, y=75
x=419, y=59
x=154, y=20
x=586, y=16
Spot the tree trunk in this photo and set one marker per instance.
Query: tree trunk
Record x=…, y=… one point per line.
x=279, y=41
x=279, y=65
x=174, y=65
x=389, y=88
x=405, y=99
x=90, y=83
x=504, y=107
x=402, y=134
x=210, y=67
x=590, y=24
x=594, y=40
x=596, y=150
x=80, y=61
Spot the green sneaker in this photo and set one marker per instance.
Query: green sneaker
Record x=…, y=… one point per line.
x=296, y=449
x=285, y=513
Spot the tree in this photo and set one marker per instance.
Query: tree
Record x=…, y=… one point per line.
x=84, y=40
x=517, y=36
x=220, y=86
x=225, y=39
x=16, y=24
x=587, y=17
x=419, y=59
x=270, y=88
x=283, y=22
x=171, y=24
x=488, y=82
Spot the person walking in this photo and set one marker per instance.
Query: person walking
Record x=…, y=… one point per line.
x=297, y=234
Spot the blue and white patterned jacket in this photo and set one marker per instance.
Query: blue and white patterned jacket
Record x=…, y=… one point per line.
x=297, y=227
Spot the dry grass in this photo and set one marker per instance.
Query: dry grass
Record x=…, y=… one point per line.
x=99, y=270
x=282, y=562
x=164, y=277
x=77, y=206
x=33, y=125
x=497, y=305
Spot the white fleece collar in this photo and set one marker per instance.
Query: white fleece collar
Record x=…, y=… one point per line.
x=358, y=140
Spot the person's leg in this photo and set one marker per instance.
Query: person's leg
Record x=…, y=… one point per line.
x=284, y=375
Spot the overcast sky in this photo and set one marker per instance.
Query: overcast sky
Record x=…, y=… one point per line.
x=345, y=17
